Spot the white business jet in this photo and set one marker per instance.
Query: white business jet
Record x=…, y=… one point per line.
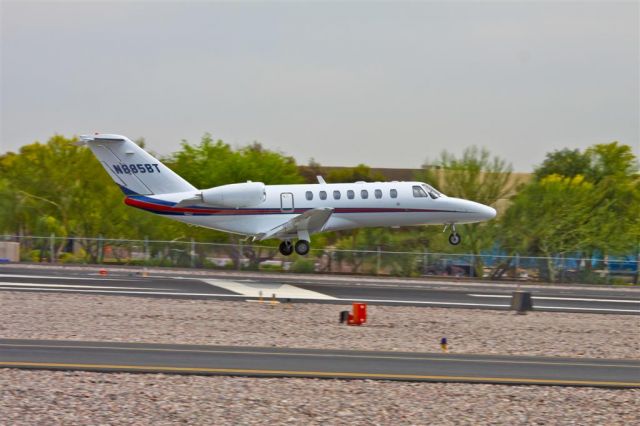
x=285, y=212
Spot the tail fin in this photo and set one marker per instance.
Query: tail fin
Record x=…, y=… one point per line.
x=132, y=168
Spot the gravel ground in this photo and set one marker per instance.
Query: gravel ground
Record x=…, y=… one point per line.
x=38, y=397
x=77, y=398
x=306, y=325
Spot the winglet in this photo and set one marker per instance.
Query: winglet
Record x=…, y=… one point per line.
x=321, y=180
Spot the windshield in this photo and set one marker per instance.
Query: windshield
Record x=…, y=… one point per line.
x=433, y=193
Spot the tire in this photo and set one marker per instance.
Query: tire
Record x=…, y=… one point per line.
x=302, y=247
x=286, y=248
x=454, y=239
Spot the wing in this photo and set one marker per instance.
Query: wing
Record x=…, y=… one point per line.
x=311, y=221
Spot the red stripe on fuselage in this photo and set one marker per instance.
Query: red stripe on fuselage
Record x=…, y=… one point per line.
x=159, y=208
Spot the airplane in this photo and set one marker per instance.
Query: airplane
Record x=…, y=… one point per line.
x=284, y=212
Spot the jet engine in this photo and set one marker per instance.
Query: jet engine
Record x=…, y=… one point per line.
x=235, y=195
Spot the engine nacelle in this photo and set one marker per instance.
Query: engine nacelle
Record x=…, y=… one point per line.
x=235, y=195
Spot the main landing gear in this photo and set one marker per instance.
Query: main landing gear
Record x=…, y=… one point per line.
x=286, y=248
x=302, y=247
x=454, y=238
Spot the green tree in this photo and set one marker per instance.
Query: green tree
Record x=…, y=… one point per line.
x=361, y=172
x=565, y=162
x=60, y=188
x=593, y=207
x=213, y=163
x=547, y=217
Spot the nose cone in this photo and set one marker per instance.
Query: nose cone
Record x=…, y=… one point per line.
x=480, y=212
x=486, y=212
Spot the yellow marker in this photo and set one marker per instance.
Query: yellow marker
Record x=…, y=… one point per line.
x=260, y=299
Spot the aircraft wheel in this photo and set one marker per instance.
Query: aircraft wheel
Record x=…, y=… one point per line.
x=286, y=248
x=454, y=239
x=302, y=247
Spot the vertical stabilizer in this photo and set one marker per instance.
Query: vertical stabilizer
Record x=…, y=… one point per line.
x=132, y=168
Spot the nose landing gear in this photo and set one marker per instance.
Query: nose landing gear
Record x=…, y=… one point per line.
x=454, y=238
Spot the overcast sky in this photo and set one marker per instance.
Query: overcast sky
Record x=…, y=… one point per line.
x=385, y=84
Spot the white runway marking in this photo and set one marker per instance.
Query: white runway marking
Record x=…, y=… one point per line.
x=165, y=293
x=30, y=285
x=569, y=299
x=635, y=311
x=282, y=291
x=107, y=292
x=47, y=277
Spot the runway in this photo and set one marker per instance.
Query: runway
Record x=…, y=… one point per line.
x=319, y=289
x=286, y=362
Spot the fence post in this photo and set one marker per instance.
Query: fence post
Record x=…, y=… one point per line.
x=378, y=262
x=146, y=249
x=100, y=249
x=239, y=266
x=425, y=262
x=472, y=266
x=193, y=253
x=52, y=248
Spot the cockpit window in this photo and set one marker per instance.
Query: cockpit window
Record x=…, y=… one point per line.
x=433, y=193
x=418, y=192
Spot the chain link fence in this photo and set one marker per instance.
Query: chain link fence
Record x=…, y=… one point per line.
x=247, y=256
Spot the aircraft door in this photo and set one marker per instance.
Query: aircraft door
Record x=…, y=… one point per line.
x=286, y=202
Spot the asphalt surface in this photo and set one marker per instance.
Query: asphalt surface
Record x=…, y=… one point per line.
x=285, y=362
x=322, y=289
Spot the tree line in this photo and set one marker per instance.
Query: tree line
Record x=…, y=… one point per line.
x=577, y=202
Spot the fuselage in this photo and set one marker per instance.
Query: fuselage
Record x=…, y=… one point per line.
x=354, y=205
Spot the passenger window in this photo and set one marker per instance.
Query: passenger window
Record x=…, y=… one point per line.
x=364, y=194
x=350, y=194
x=309, y=195
x=418, y=192
x=323, y=195
x=393, y=193
x=336, y=195
x=378, y=193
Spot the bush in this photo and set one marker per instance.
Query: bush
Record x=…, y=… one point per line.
x=71, y=258
x=304, y=266
x=270, y=267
